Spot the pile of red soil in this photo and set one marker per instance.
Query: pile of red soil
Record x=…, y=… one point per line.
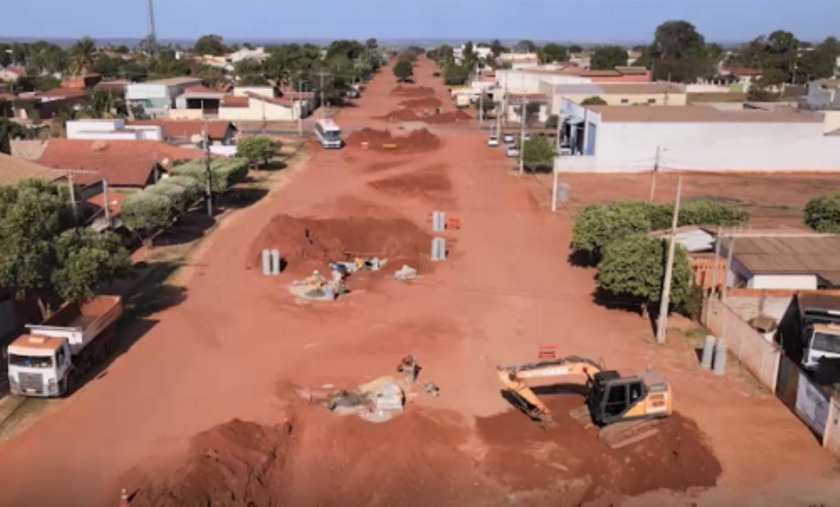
x=308, y=242
x=426, y=102
x=413, y=91
x=400, y=115
x=430, y=183
x=237, y=464
x=417, y=141
x=450, y=117
x=526, y=457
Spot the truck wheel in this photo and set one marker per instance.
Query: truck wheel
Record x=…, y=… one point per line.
x=70, y=384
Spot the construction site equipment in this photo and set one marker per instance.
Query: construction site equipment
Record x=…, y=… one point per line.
x=405, y=274
x=409, y=369
x=359, y=264
x=812, y=325
x=438, y=221
x=624, y=407
x=49, y=360
x=708, y=351
x=438, y=249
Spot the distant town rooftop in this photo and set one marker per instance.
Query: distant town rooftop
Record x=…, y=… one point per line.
x=618, y=88
x=172, y=81
x=811, y=254
x=698, y=114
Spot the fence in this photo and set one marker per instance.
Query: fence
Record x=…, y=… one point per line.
x=761, y=357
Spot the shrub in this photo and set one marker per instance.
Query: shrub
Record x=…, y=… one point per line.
x=257, y=149
x=176, y=194
x=597, y=225
x=225, y=173
x=146, y=213
x=710, y=212
x=822, y=213
x=194, y=190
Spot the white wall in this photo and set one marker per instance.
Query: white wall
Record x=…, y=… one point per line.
x=112, y=129
x=629, y=147
x=139, y=91
x=529, y=82
x=185, y=114
x=797, y=282
x=264, y=91
x=257, y=110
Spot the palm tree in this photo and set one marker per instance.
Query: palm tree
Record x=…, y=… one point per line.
x=83, y=52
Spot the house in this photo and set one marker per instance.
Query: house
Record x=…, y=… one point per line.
x=83, y=82
x=14, y=169
x=197, y=102
x=257, y=54
x=783, y=261
x=519, y=61
x=482, y=52
x=735, y=79
x=529, y=80
x=127, y=164
x=11, y=73
x=186, y=132
x=823, y=94
x=696, y=138
x=616, y=94
x=154, y=99
x=266, y=104
x=114, y=130
x=515, y=101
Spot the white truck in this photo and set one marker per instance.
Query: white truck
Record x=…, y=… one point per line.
x=813, y=324
x=462, y=100
x=49, y=360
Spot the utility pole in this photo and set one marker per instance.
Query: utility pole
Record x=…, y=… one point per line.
x=730, y=249
x=653, y=175
x=72, y=189
x=323, y=104
x=669, y=268
x=300, y=106
x=106, y=202
x=522, y=110
x=208, y=192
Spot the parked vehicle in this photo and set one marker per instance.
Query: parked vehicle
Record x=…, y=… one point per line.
x=49, y=360
x=328, y=134
x=493, y=141
x=512, y=151
x=462, y=100
x=812, y=323
x=526, y=136
x=352, y=93
x=508, y=139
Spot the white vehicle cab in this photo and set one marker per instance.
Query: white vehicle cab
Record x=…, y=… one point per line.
x=493, y=141
x=328, y=133
x=509, y=139
x=512, y=151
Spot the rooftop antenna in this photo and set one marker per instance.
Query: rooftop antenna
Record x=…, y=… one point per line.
x=151, y=37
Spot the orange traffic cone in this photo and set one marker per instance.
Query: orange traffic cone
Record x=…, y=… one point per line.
x=123, y=498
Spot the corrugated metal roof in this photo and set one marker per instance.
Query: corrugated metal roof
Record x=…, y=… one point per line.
x=578, y=89
x=791, y=255
x=698, y=114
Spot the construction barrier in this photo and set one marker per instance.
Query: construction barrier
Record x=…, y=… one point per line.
x=760, y=356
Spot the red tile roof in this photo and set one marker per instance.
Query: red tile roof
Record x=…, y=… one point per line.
x=121, y=163
x=216, y=129
x=200, y=89
x=59, y=93
x=117, y=84
x=234, y=101
x=79, y=81
x=115, y=200
x=14, y=169
x=738, y=70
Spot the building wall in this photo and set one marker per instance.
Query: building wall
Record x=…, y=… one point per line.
x=797, y=282
x=140, y=91
x=264, y=91
x=529, y=82
x=255, y=112
x=185, y=114
x=660, y=99
x=632, y=147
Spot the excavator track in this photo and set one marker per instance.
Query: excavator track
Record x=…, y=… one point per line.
x=622, y=434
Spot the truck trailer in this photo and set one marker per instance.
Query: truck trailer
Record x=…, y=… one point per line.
x=49, y=360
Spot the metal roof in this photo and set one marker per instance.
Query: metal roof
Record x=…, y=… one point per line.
x=697, y=114
x=814, y=254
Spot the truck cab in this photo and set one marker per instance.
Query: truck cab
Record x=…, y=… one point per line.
x=40, y=366
x=820, y=340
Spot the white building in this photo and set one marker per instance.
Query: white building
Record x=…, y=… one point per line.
x=783, y=261
x=155, y=98
x=262, y=103
x=616, y=94
x=519, y=60
x=112, y=130
x=696, y=138
x=258, y=54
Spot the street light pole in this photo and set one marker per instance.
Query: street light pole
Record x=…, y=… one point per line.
x=522, y=107
x=662, y=325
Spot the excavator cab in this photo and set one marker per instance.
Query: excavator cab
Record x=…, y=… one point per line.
x=614, y=398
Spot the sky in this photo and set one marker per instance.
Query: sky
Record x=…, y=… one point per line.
x=560, y=20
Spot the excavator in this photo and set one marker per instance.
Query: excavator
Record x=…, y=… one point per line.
x=625, y=408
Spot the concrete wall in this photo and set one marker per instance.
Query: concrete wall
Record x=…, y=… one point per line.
x=820, y=97
x=185, y=114
x=264, y=91
x=706, y=88
x=628, y=147
x=140, y=91
x=797, y=282
x=257, y=110
x=529, y=82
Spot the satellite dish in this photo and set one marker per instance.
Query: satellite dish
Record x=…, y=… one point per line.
x=165, y=162
x=197, y=138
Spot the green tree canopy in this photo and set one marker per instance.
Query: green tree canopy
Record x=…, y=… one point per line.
x=822, y=213
x=403, y=70
x=634, y=266
x=454, y=74
x=526, y=46
x=575, y=48
x=210, y=44
x=678, y=39
x=497, y=48
x=10, y=130
x=552, y=121
x=257, y=149
x=147, y=213
x=538, y=152
x=86, y=259
x=597, y=225
x=83, y=53
x=555, y=53
x=608, y=58
x=593, y=101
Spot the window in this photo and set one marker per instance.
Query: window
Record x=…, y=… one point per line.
x=625, y=101
x=616, y=400
x=651, y=101
x=825, y=342
x=30, y=361
x=59, y=357
x=635, y=391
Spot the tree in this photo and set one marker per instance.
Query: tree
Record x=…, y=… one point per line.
x=575, y=49
x=552, y=121
x=192, y=188
x=554, y=53
x=635, y=266
x=83, y=52
x=225, y=173
x=830, y=46
x=593, y=101
x=210, y=45
x=454, y=74
x=814, y=64
x=608, y=58
x=256, y=149
x=348, y=48
x=403, y=70
x=176, y=194
x=443, y=55
x=597, y=225
x=822, y=213
x=86, y=259
x=526, y=46
x=678, y=39
x=538, y=152
x=147, y=213
x=210, y=76
x=497, y=48
x=10, y=130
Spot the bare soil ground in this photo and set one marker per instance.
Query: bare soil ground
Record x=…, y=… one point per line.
x=165, y=419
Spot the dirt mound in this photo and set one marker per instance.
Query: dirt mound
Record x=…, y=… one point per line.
x=526, y=457
x=431, y=183
x=412, y=91
x=417, y=141
x=237, y=464
x=307, y=242
x=450, y=117
x=400, y=115
x=426, y=102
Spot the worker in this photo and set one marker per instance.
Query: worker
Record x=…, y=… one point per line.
x=316, y=279
x=360, y=263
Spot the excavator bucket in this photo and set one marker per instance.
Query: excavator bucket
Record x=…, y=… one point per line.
x=624, y=433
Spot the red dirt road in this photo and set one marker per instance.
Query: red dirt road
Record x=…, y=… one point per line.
x=236, y=344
